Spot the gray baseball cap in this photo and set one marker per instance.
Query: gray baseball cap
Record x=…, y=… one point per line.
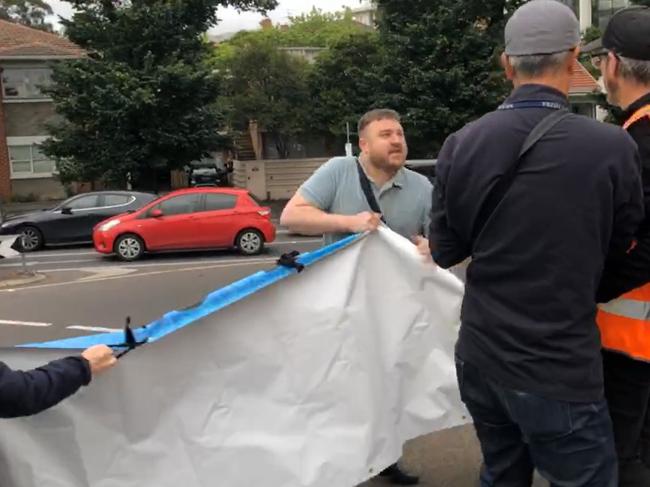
x=542, y=27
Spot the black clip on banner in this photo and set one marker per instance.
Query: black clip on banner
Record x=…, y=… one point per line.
x=290, y=260
x=129, y=340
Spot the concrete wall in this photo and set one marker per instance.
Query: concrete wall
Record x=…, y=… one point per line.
x=274, y=179
x=28, y=119
x=42, y=188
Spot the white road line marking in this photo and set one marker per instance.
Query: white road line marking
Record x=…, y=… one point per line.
x=99, y=329
x=64, y=254
x=40, y=263
x=191, y=263
x=79, y=261
x=24, y=323
x=43, y=266
x=131, y=276
x=294, y=242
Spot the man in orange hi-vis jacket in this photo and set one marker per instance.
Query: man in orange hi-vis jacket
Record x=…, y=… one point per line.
x=623, y=56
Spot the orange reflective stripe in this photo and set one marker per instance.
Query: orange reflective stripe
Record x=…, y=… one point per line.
x=638, y=115
x=627, y=335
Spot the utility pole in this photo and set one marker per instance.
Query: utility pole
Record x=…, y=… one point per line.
x=348, y=145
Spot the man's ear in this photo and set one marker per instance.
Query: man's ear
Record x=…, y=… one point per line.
x=612, y=63
x=507, y=67
x=572, y=58
x=363, y=144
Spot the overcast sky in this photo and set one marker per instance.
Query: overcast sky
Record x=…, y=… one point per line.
x=233, y=21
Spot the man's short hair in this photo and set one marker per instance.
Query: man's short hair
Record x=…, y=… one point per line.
x=537, y=65
x=375, y=116
x=636, y=70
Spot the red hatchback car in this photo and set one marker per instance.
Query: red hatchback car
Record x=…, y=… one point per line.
x=200, y=218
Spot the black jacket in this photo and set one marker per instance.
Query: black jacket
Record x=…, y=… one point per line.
x=624, y=273
x=528, y=316
x=30, y=392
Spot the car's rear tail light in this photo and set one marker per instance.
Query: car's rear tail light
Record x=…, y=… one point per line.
x=264, y=212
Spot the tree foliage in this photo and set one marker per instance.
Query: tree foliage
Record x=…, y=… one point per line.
x=345, y=83
x=268, y=86
x=32, y=13
x=442, y=69
x=313, y=29
x=143, y=99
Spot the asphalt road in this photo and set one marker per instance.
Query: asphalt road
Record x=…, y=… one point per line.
x=87, y=293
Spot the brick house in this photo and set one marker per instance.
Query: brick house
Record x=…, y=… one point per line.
x=26, y=58
x=585, y=92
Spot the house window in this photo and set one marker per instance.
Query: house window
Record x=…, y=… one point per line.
x=586, y=109
x=29, y=160
x=25, y=83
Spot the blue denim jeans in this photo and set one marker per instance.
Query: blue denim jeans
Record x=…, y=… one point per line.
x=570, y=444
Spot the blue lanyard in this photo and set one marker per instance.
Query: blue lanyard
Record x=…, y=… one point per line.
x=533, y=104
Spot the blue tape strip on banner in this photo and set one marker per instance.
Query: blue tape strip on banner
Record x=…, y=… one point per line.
x=175, y=320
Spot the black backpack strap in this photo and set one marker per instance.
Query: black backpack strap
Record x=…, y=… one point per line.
x=500, y=189
x=367, y=190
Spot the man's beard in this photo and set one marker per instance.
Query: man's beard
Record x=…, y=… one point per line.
x=383, y=163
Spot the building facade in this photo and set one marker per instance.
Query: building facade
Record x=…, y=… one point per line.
x=26, y=59
x=365, y=14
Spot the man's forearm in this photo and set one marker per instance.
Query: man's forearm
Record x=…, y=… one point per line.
x=33, y=391
x=312, y=221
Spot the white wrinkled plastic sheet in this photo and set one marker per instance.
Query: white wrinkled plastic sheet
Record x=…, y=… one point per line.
x=315, y=381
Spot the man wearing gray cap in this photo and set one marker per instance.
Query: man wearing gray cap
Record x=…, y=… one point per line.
x=623, y=56
x=537, y=197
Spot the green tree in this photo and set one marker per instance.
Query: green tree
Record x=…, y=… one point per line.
x=641, y=2
x=320, y=29
x=143, y=99
x=313, y=29
x=442, y=66
x=268, y=86
x=268, y=104
x=32, y=13
x=345, y=83
x=591, y=34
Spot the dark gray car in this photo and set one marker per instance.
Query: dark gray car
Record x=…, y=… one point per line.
x=72, y=221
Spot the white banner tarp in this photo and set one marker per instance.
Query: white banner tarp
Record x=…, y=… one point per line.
x=316, y=380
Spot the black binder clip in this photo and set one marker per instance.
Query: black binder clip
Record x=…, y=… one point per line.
x=290, y=260
x=129, y=340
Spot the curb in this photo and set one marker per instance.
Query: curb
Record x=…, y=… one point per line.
x=22, y=281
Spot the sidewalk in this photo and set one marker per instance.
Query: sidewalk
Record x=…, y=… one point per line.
x=10, y=278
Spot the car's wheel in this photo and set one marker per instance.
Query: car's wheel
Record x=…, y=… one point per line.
x=31, y=239
x=129, y=247
x=250, y=242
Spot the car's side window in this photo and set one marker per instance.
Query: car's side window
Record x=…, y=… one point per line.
x=117, y=200
x=181, y=205
x=215, y=201
x=84, y=203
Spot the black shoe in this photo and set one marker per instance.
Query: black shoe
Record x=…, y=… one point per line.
x=399, y=477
